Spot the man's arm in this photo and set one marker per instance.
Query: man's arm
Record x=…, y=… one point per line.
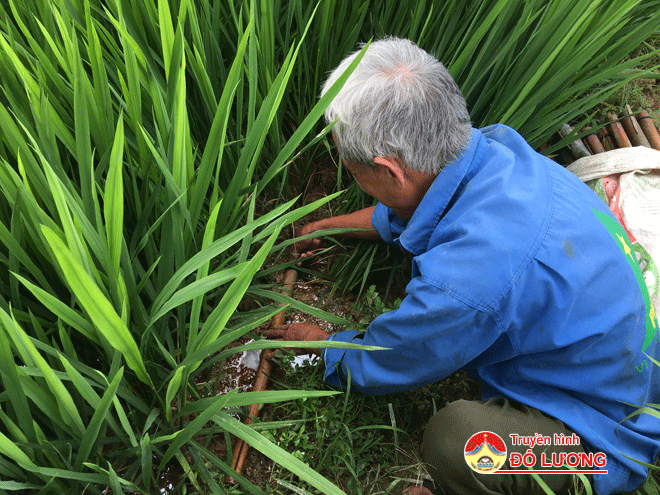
x=431, y=335
x=296, y=331
x=360, y=219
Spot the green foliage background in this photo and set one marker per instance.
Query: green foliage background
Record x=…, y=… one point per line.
x=147, y=152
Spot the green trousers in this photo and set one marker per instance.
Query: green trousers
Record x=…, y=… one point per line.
x=449, y=430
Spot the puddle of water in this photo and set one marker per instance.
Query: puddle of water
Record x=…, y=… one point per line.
x=239, y=372
x=304, y=360
x=250, y=359
x=169, y=479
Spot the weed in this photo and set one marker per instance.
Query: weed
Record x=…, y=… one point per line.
x=373, y=306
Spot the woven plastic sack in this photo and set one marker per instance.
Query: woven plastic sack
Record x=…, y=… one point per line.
x=628, y=181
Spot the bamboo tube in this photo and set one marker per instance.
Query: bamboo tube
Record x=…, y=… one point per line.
x=633, y=130
x=593, y=142
x=261, y=381
x=646, y=123
x=577, y=149
x=605, y=137
x=618, y=132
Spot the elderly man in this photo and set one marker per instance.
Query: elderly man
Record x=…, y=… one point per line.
x=520, y=276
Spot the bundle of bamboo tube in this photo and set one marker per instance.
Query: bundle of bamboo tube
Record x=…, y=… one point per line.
x=621, y=132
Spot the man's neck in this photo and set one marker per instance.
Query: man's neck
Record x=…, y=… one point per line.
x=422, y=184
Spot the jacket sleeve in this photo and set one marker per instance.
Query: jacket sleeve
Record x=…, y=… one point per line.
x=388, y=225
x=430, y=336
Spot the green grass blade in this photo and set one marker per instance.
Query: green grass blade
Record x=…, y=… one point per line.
x=172, y=389
x=229, y=302
x=202, y=272
x=307, y=124
x=192, y=428
x=216, y=248
x=84, y=388
x=525, y=91
x=66, y=406
x=70, y=231
x=32, y=86
x=9, y=449
x=473, y=40
x=113, y=200
x=279, y=455
x=83, y=146
x=15, y=249
x=11, y=383
x=61, y=310
x=166, y=32
x=225, y=339
x=213, y=152
x=301, y=306
x=249, y=398
x=198, y=288
x=90, y=437
x=101, y=84
x=105, y=318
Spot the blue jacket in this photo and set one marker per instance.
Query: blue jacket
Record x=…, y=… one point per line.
x=522, y=277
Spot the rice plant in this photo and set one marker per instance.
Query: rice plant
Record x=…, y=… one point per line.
x=129, y=242
x=147, y=148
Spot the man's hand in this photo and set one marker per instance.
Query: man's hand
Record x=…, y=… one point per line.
x=360, y=219
x=307, y=247
x=296, y=331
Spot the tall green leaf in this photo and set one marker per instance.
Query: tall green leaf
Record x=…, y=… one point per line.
x=103, y=315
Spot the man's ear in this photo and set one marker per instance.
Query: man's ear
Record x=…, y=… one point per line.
x=392, y=168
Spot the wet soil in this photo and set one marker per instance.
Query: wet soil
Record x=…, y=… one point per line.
x=238, y=372
x=169, y=479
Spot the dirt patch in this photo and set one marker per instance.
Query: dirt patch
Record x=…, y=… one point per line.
x=651, y=90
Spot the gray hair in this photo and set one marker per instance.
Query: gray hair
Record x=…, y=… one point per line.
x=399, y=102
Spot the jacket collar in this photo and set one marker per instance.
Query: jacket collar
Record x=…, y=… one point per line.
x=415, y=237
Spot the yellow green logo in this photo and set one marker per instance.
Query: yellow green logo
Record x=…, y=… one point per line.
x=621, y=238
